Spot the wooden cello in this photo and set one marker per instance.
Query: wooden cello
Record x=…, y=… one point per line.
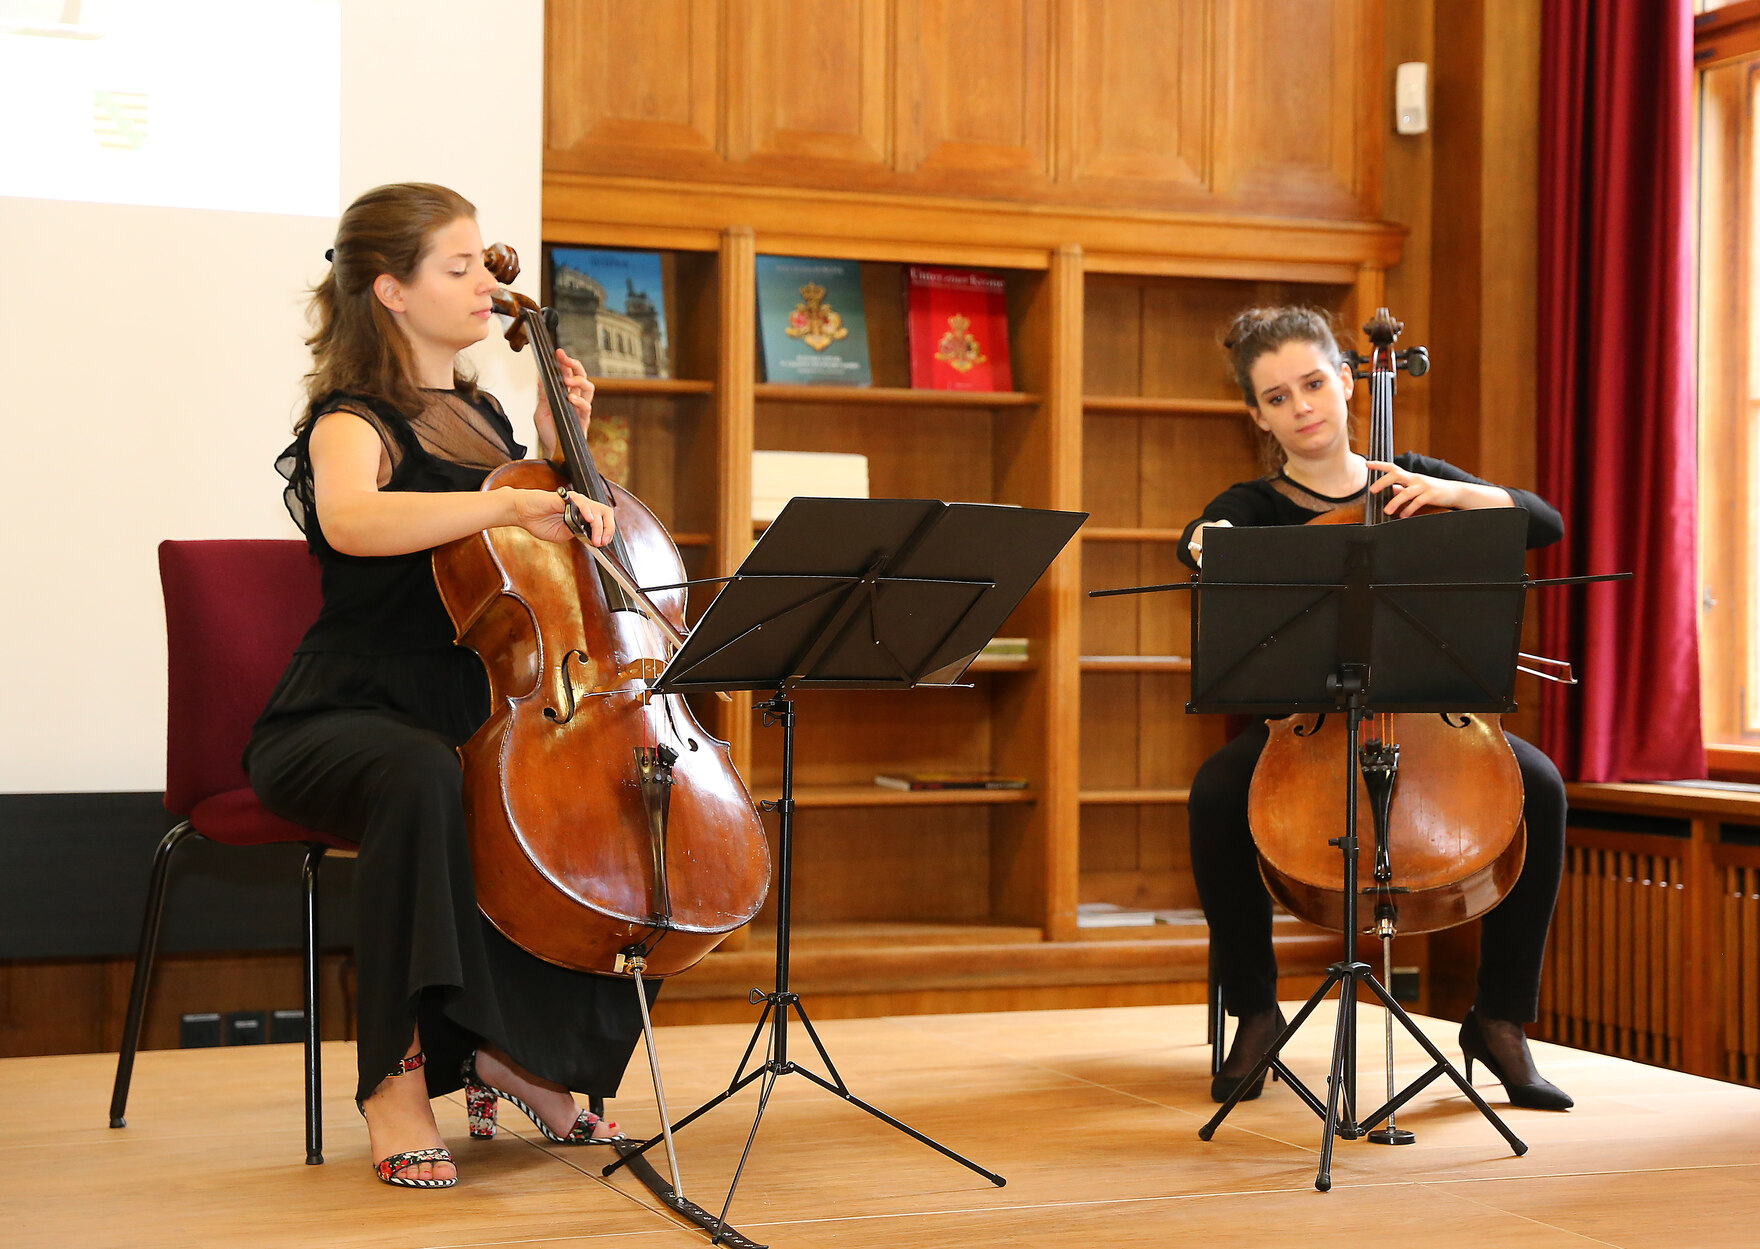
x=603, y=819
x=1447, y=784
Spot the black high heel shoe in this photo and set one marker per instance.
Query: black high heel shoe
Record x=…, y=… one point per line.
x=1538, y=1094
x=1222, y=1086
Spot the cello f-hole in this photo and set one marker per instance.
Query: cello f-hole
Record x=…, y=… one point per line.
x=550, y=713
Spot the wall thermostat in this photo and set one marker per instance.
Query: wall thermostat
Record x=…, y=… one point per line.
x=1411, y=98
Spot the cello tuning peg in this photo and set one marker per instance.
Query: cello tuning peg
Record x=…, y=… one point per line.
x=1415, y=360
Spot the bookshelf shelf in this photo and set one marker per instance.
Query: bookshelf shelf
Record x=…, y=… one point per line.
x=650, y=386
x=1136, y=663
x=985, y=663
x=894, y=396
x=1144, y=405
x=1117, y=533
x=826, y=796
x=1134, y=797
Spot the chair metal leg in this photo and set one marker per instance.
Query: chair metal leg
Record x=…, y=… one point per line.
x=1216, y=1026
x=314, y=1074
x=144, y=955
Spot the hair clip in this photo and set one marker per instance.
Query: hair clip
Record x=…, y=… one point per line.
x=330, y=254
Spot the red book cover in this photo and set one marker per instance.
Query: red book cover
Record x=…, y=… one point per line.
x=958, y=329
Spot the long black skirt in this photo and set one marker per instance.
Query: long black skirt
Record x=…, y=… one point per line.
x=363, y=747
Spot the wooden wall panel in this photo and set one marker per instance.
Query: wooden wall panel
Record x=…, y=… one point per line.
x=1262, y=107
x=1137, y=856
x=1139, y=94
x=926, y=864
x=809, y=85
x=1182, y=333
x=633, y=87
x=974, y=93
x=78, y=1006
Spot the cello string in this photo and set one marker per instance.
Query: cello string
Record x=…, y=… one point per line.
x=580, y=455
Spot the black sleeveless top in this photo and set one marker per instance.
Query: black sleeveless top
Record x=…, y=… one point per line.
x=383, y=640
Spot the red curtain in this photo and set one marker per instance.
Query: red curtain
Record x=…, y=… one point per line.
x=1616, y=401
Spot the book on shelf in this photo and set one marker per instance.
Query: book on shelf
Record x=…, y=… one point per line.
x=810, y=321
x=778, y=476
x=948, y=780
x=610, y=310
x=1180, y=915
x=957, y=321
x=1112, y=915
x=608, y=441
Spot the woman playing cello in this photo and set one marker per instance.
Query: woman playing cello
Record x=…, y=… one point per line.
x=358, y=738
x=1297, y=386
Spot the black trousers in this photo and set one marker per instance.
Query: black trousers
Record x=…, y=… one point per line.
x=1226, y=868
x=423, y=951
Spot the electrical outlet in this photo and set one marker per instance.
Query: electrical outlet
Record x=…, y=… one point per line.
x=199, y=1031
x=1406, y=984
x=287, y=1026
x=247, y=1027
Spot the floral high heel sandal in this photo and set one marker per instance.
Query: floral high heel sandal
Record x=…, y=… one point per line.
x=387, y=1168
x=480, y=1099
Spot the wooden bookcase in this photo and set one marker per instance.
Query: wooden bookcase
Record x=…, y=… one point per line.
x=1163, y=432
x=1125, y=410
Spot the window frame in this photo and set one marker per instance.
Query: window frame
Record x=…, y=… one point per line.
x=1726, y=54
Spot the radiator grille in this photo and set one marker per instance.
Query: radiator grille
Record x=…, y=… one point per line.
x=1613, y=979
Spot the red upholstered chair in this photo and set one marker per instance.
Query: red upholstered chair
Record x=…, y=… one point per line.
x=234, y=611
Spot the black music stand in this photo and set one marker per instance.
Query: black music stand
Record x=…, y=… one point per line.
x=1418, y=615
x=851, y=594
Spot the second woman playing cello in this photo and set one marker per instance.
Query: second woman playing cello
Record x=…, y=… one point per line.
x=1297, y=385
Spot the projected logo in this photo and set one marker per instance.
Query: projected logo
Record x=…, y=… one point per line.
x=153, y=102
x=119, y=119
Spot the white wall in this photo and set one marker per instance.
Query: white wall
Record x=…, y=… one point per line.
x=150, y=361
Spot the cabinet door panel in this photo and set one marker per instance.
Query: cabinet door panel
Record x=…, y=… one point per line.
x=1140, y=93
x=632, y=87
x=809, y=84
x=1297, y=116
x=974, y=91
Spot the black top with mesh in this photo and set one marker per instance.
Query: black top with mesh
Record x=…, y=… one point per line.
x=383, y=641
x=1277, y=500
x=384, y=604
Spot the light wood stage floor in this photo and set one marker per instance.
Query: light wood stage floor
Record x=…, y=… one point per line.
x=1092, y=1115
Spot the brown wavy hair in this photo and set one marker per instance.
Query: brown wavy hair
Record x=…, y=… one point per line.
x=356, y=345
x=1255, y=332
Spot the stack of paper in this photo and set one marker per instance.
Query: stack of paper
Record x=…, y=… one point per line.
x=778, y=476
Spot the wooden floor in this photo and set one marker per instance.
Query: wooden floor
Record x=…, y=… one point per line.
x=1092, y=1116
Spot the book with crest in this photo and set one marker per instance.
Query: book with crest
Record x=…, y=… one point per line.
x=810, y=321
x=958, y=325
